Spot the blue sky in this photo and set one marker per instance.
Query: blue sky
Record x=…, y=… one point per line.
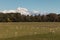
x=42, y=5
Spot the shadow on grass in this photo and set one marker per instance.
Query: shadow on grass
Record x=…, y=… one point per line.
x=49, y=36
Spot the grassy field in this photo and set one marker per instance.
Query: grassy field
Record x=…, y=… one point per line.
x=30, y=31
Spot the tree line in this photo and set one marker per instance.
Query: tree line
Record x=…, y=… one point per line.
x=17, y=17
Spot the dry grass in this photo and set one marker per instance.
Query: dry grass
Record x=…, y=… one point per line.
x=28, y=28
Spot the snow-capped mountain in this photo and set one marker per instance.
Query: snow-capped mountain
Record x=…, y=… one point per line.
x=23, y=11
x=9, y=11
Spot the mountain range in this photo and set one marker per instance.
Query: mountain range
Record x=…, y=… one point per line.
x=23, y=11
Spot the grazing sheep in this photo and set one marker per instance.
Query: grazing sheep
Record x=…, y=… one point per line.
x=17, y=27
x=16, y=33
x=52, y=30
x=35, y=32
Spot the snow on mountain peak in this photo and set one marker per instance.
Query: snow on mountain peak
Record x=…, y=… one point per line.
x=23, y=11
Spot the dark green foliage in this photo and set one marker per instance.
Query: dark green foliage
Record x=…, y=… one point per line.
x=17, y=17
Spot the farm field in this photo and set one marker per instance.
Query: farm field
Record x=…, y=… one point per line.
x=30, y=31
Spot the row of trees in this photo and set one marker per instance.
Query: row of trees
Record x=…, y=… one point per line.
x=17, y=17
